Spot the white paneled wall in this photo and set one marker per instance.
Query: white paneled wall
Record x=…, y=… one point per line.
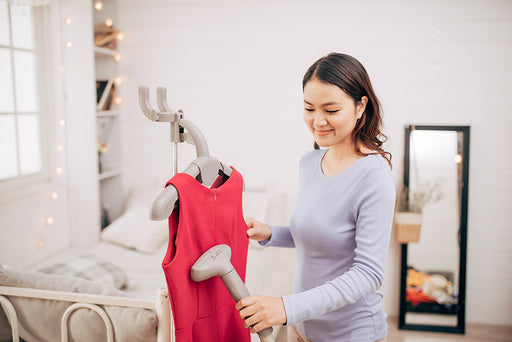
x=235, y=68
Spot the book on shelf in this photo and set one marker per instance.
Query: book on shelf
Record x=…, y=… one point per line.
x=105, y=90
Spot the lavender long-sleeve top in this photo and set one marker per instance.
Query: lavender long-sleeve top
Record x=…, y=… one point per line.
x=340, y=227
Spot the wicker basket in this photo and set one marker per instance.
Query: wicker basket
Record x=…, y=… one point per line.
x=407, y=227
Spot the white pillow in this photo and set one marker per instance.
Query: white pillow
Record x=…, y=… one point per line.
x=143, y=195
x=134, y=229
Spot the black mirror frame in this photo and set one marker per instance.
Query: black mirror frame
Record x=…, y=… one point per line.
x=461, y=308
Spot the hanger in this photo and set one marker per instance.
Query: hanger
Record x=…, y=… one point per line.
x=204, y=168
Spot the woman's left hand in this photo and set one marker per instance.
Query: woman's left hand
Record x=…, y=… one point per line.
x=261, y=312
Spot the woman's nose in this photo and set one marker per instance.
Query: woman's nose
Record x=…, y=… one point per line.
x=319, y=120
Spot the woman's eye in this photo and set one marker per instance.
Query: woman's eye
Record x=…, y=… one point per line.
x=308, y=109
x=332, y=111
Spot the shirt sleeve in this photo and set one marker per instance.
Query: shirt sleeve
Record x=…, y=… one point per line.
x=281, y=237
x=373, y=214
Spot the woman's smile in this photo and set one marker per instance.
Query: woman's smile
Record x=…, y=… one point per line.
x=322, y=132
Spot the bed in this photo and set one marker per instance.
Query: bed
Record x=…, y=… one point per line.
x=116, y=290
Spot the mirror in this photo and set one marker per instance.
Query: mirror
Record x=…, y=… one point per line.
x=433, y=237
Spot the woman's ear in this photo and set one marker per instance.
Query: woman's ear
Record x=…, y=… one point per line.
x=361, y=106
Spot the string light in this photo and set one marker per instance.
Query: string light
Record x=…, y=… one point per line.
x=117, y=100
x=98, y=5
x=458, y=158
x=109, y=22
x=117, y=57
x=118, y=80
x=54, y=195
x=120, y=36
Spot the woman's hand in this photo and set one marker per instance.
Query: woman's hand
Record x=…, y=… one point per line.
x=261, y=312
x=257, y=230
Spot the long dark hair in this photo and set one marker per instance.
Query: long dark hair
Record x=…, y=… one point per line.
x=349, y=75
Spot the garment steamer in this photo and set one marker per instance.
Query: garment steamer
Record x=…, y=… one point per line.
x=216, y=260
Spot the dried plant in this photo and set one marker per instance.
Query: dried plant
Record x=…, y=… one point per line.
x=425, y=193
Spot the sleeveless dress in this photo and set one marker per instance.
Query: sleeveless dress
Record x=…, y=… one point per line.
x=205, y=217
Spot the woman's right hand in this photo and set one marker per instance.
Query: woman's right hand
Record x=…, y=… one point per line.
x=257, y=230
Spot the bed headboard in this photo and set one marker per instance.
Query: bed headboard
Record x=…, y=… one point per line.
x=130, y=324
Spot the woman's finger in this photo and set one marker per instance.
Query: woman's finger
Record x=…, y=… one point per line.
x=255, y=328
x=249, y=221
x=245, y=302
x=248, y=311
x=251, y=320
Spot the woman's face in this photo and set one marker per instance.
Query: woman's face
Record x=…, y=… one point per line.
x=330, y=113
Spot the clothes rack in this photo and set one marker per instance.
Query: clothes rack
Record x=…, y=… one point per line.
x=204, y=167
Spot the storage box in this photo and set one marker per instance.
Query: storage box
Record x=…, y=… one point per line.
x=407, y=227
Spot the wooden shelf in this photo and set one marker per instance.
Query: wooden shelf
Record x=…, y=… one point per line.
x=109, y=174
x=107, y=113
x=104, y=51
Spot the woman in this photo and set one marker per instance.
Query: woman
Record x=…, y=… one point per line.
x=342, y=220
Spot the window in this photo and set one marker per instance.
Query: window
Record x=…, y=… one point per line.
x=21, y=150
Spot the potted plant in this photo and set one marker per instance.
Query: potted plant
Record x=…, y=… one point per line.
x=409, y=216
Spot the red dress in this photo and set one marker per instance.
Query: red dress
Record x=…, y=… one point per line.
x=205, y=217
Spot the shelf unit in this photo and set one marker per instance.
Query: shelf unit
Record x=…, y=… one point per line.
x=108, y=126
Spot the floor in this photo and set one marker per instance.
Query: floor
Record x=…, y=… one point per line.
x=474, y=333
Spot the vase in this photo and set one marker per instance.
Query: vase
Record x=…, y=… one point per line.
x=407, y=227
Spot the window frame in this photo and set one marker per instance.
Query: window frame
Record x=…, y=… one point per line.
x=47, y=54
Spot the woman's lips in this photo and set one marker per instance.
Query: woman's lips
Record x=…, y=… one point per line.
x=322, y=133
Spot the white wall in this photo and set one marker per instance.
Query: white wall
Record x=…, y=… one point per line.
x=235, y=68
x=80, y=111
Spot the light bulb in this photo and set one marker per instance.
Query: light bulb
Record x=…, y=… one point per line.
x=58, y=170
x=117, y=100
x=40, y=243
x=69, y=44
x=62, y=122
x=67, y=21
x=457, y=158
x=120, y=36
x=109, y=22
x=50, y=220
x=118, y=81
x=117, y=57
x=60, y=147
x=98, y=5
x=54, y=195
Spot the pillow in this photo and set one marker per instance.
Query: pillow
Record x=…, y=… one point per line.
x=143, y=194
x=91, y=267
x=134, y=229
x=39, y=319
